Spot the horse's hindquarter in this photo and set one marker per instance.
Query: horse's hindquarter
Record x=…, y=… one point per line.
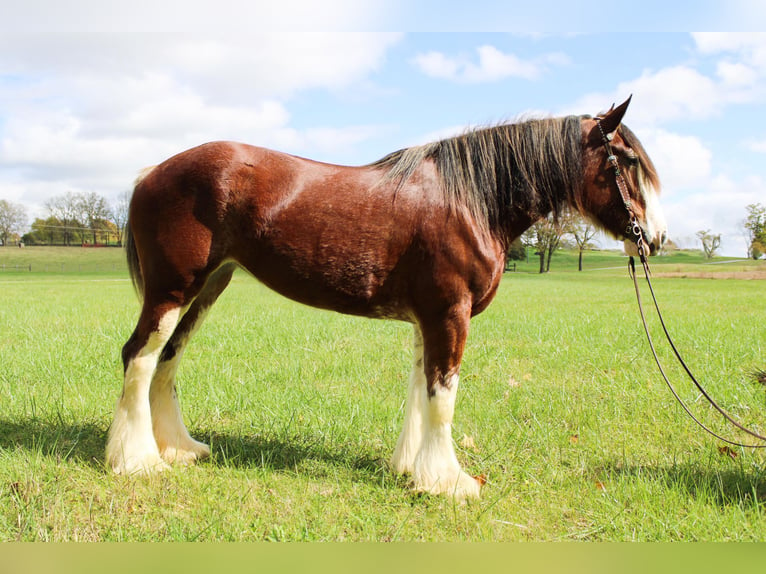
x=340, y=238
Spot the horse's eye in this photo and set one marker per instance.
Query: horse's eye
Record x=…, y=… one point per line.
x=632, y=160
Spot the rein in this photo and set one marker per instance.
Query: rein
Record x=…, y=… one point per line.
x=635, y=232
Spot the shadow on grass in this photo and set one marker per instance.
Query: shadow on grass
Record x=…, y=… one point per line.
x=84, y=444
x=81, y=443
x=290, y=453
x=724, y=487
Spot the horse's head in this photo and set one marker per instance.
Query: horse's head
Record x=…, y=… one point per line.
x=621, y=186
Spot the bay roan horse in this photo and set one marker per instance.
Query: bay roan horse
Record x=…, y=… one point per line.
x=420, y=236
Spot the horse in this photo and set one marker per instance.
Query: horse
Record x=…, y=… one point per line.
x=418, y=236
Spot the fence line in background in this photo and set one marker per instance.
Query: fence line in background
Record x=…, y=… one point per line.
x=63, y=267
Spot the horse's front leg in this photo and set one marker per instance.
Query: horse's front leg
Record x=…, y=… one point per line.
x=411, y=437
x=436, y=469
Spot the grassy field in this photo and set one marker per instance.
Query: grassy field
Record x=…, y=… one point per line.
x=560, y=406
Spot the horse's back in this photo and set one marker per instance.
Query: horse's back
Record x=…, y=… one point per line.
x=342, y=238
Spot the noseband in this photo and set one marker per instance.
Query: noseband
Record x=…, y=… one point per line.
x=636, y=234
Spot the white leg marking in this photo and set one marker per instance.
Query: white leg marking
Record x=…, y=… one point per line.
x=436, y=469
x=131, y=447
x=411, y=437
x=173, y=439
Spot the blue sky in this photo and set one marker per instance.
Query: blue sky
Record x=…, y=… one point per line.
x=89, y=96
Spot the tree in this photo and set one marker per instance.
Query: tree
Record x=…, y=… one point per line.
x=46, y=231
x=92, y=210
x=583, y=231
x=120, y=213
x=516, y=252
x=755, y=229
x=66, y=210
x=545, y=237
x=13, y=219
x=710, y=242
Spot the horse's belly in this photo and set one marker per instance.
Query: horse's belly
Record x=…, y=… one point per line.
x=352, y=285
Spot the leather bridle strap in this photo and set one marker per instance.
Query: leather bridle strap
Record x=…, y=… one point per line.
x=633, y=229
x=635, y=232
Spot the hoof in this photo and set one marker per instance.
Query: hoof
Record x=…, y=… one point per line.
x=135, y=466
x=461, y=486
x=187, y=454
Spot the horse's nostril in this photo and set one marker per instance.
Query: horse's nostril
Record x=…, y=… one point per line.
x=663, y=238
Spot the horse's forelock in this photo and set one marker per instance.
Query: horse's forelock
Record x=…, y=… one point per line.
x=649, y=176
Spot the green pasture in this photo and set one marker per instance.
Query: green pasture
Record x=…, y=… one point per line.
x=560, y=406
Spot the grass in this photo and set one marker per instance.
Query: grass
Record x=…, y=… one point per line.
x=20, y=263
x=569, y=420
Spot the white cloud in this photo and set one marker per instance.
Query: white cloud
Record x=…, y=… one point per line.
x=682, y=161
x=751, y=45
x=239, y=68
x=678, y=92
x=85, y=112
x=222, y=18
x=758, y=146
x=437, y=65
x=736, y=74
x=492, y=65
x=683, y=92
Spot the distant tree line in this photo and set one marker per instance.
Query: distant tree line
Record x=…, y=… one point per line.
x=73, y=218
x=548, y=235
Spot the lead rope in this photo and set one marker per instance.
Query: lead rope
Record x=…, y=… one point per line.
x=634, y=229
x=632, y=271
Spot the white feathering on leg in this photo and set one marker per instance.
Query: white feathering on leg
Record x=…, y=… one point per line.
x=436, y=468
x=173, y=439
x=411, y=437
x=131, y=447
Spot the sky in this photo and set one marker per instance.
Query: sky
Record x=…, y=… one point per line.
x=92, y=91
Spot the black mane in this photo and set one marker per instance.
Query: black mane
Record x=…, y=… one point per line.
x=532, y=165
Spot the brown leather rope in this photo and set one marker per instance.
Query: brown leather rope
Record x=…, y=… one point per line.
x=635, y=233
x=713, y=403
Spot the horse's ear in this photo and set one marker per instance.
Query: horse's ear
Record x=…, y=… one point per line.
x=611, y=120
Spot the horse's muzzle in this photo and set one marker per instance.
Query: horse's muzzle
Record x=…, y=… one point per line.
x=653, y=242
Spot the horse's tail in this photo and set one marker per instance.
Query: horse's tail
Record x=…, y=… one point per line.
x=134, y=265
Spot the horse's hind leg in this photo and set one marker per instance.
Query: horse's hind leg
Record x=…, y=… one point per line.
x=131, y=447
x=173, y=439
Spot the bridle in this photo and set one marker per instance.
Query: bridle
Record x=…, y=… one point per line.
x=635, y=232
x=633, y=229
